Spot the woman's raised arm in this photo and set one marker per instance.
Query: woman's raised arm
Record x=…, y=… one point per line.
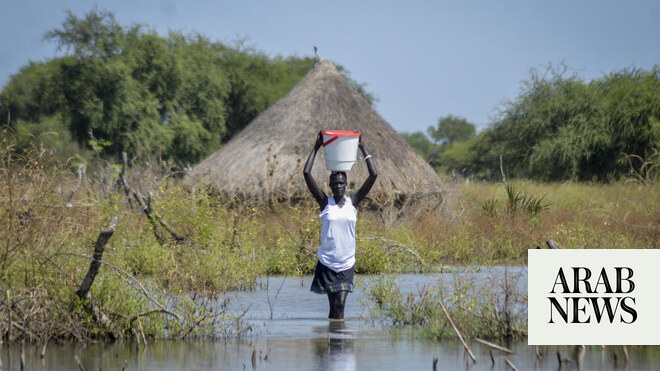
x=357, y=197
x=313, y=187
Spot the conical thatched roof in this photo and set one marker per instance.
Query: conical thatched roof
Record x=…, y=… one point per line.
x=266, y=158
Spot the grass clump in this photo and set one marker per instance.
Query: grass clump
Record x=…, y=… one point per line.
x=488, y=306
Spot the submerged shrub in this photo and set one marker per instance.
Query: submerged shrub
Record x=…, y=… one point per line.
x=490, y=307
x=48, y=228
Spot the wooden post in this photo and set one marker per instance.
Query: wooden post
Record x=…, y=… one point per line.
x=99, y=247
x=85, y=286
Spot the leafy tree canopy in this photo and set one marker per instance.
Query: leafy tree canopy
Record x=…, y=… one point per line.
x=423, y=146
x=179, y=96
x=451, y=129
x=449, y=132
x=561, y=127
x=96, y=35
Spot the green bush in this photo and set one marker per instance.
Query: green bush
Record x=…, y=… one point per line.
x=561, y=127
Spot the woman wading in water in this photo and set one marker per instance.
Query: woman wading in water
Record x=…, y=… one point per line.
x=336, y=255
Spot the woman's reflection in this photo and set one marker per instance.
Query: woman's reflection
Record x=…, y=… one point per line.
x=337, y=351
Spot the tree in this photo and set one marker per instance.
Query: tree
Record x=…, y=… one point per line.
x=423, y=146
x=451, y=129
x=96, y=35
x=179, y=96
x=561, y=127
x=257, y=81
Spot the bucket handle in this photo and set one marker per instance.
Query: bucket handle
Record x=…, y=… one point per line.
x=331, y=140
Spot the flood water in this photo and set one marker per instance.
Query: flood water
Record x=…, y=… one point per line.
x=291, y=332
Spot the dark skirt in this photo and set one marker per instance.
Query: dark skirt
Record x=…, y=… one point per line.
x=327, y=281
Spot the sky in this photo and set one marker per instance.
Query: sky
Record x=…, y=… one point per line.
x=423, y=60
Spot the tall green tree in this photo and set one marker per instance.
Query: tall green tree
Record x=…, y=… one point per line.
x=451, y=129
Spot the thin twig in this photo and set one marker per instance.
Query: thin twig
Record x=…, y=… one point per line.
x=122, y=178
x=9, y=305
x=394, y=243
x=539, y=354
x=506, y=360
x=144, y=314
x=23, y=355
x=494, y=346
x=142, y=333
x=196, y=324
x=20, y=328
x=80, y=177
x=502, y=170
x=146, y=208
x=163, y=223
x=43, y=349
x=133, y=282
x=272, y=305
x=460, y=337
x=80, y=366
x=493, y=322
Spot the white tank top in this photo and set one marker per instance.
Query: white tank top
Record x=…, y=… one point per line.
x=337, y=250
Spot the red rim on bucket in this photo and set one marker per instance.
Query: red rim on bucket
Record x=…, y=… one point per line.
x=339, y=133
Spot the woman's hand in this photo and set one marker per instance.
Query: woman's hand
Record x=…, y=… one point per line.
x=319, y=140
x=361, y=143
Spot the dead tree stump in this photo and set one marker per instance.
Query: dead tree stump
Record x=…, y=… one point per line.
x=86, y=285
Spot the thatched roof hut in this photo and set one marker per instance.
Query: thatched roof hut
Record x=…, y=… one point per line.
x=266, y=158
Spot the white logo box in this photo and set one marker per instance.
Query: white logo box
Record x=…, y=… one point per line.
x=634, y=316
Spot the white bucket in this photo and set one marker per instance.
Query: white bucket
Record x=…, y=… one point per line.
x=340, y=149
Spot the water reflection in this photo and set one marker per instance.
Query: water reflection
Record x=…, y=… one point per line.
x=337, y=351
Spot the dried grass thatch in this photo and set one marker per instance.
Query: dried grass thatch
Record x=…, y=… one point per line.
x=266, y=159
